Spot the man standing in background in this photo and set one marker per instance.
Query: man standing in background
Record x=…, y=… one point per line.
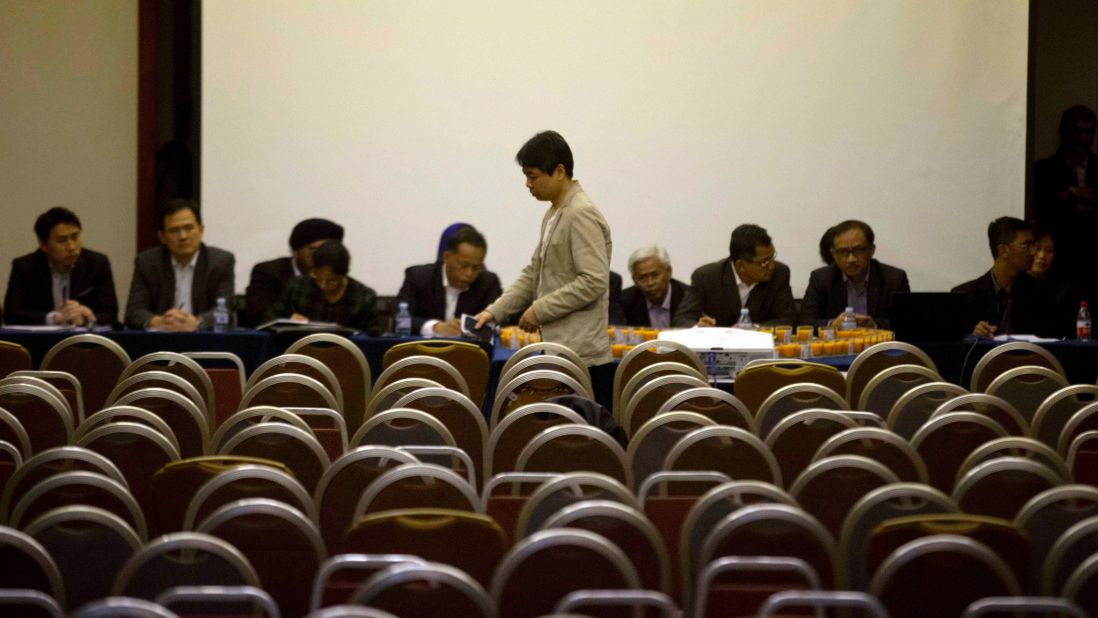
x=565, y=285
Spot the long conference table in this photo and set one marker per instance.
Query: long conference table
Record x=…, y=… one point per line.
x=955, y=359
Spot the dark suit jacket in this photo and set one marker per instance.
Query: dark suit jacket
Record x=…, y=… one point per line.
x=30, y=288
x=825, y=296
x=265, y=288
x=635, y=305
x=713, y=292
x=1031, y=305
x=152, y=291
x=426, y=297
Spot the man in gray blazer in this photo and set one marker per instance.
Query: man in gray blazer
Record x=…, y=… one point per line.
x=176, y=285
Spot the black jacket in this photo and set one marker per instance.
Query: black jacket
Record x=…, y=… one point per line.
x=635, y=305
x=825, y=296
x=713, y=292
x=426, y=297
x=30, y=288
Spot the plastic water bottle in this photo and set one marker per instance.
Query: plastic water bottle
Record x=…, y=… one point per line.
x=403, y=321
x=849, y=321
x=1082, y=322
x=221, y=316
x=745, y=320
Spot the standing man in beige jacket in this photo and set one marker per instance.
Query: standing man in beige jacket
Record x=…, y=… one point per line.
x=565, y=285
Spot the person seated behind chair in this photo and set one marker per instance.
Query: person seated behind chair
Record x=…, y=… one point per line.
x=855, y=279
x=269, y=279
x=1064, y=294
x=655, y=295
x=749, y=277
x=61, y=282
x=175, y=286
x=437, y=294
x=1006, y=299
x=327, y=294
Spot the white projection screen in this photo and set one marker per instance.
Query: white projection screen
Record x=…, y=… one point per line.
x=399, y=117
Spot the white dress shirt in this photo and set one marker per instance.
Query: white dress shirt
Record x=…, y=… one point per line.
x=184, y=283
x=452, y=293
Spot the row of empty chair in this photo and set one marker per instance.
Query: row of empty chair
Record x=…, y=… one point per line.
x=674, y=427
x=737, y=543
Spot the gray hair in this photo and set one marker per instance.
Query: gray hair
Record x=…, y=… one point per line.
x=651, y=251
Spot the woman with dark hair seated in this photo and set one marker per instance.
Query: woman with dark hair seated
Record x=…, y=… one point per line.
x=1063, y=296
x=327, y=293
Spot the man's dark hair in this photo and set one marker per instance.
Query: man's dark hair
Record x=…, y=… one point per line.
x=1003, y=230
x=852, y=224
x=47, y=220
x=546, y=151
x=825, y=246
x=744, y=240
x=333, y=255
x=175, y=206
x=1071, y=115
x=468, y=235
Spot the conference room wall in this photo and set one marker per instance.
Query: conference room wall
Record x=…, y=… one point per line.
x=68, y=124
x=397, y=119
x=1064, y=63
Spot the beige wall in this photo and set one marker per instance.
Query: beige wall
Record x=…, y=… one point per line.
x=68, y=124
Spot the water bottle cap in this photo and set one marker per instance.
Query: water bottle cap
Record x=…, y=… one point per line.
x=1083, y=304
x=403, y=305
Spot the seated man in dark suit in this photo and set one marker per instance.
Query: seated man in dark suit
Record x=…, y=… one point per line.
x=327, y=294
x=749, y=277
x=269, y=279
x=176, y=285
x=61, y=282
x=854, y=279
x=1006, y=300
x=653, y=299
x=437, y=294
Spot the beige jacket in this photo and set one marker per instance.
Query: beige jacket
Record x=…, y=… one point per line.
x=569, y=286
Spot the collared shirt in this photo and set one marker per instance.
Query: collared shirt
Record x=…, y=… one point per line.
x=355, y=309
x=184, y=282
x=858, y=299
x=62, y=291
x=452, y=294
x=744, y=289
x=659, y=315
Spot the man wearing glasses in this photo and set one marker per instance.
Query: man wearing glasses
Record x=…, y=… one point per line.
x=269, y=279
x=854, y=279
x=1006, y=300
x=749, y=277
x=327, y=294
x=175, y=286
x=437, y=294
